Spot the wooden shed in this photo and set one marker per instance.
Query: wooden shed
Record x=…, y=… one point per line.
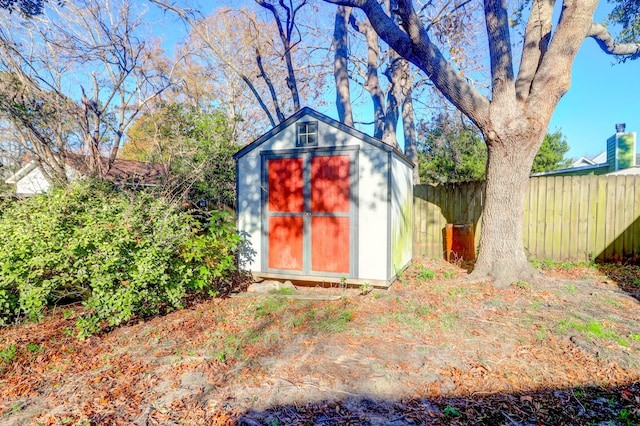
x=320, y=201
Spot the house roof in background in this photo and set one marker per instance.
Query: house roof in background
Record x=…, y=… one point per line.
x=582, y=161
x=121, y=171
x=22, y=172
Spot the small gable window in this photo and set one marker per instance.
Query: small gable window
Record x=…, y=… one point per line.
x=307, y=134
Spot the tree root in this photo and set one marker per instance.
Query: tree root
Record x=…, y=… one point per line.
x=502, y=274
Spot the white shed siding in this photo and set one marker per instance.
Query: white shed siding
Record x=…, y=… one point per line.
x=249, y=213
x=401, y=214
x=373, y=214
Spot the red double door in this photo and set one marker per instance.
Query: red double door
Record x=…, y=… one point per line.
x=308, y=215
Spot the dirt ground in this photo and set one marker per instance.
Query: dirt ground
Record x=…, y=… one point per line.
x=432, y=349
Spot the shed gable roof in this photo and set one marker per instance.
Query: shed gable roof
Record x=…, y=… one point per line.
x=327, y=120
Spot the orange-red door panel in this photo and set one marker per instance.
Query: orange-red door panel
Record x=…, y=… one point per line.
x=330, y=185
x=330, y=244
x=285, y=243
x=286, y=185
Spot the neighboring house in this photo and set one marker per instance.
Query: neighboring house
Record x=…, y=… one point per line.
x=584, y=161
x=620, y=158
x=31, y=179
x=320, y=201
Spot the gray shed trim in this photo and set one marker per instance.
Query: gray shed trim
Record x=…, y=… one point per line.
x=327, y=120
x=306, y=154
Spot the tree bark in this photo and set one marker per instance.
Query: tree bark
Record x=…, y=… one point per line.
x=394, y=74
x=340, y=65
x=372, y=84
x=272, y=90
x=409, y=129
x=502, y=256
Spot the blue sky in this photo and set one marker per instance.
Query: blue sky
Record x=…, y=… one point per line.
x=600, y=96
x=601, y=93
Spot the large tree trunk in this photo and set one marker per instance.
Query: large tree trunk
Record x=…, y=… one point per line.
x=502, y=256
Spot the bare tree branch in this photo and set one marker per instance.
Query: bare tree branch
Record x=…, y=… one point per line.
x=536, y=42
x=601, y=35
x=497, y=23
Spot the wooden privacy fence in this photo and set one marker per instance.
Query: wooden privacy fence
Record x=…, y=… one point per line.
x=566, y=217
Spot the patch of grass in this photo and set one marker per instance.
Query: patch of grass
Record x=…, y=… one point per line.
x=305, y=317
x=450, y=411
x=365, y=288
x=449, y=320
x=628, y=417
x=7, y=355
x=571, y=288
x=410, y=321
x=612, y=302
x=231, y=350
x=425, y=273
x=449, y=274
x=554, y=264
x=286, y=291
x=334, y=320
x=563, y=326
x=268, y=306
x=521, y=284
x=414, y=316
x=32, y=347
x=541, y=333
x=456, y=291
x=536, y=304
x=595, y=328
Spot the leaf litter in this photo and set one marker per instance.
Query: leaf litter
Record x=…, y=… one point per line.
x=562, y=350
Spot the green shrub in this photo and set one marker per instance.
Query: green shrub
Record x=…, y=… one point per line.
x=123, y=254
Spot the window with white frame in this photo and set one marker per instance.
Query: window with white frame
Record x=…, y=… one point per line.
x=307, y=134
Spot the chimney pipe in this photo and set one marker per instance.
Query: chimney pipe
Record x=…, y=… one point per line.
x=620, y=127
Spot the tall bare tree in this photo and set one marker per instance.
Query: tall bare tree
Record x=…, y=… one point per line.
x=388, y=78
x=76, y=77
x=285, y=13
x=514, y=116
x=266, y=56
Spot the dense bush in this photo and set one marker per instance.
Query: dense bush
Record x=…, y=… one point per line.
x=123, y=254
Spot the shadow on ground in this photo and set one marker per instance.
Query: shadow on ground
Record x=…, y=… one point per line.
x=576, y=406
x=625, y=275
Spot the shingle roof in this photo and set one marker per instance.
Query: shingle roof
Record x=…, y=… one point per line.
x=121, y=171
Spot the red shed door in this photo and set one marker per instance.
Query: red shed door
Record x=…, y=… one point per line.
x=308, y=214
x=285, y=214
x=330, y=206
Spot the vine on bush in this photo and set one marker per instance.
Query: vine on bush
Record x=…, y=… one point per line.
x=122, y=254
